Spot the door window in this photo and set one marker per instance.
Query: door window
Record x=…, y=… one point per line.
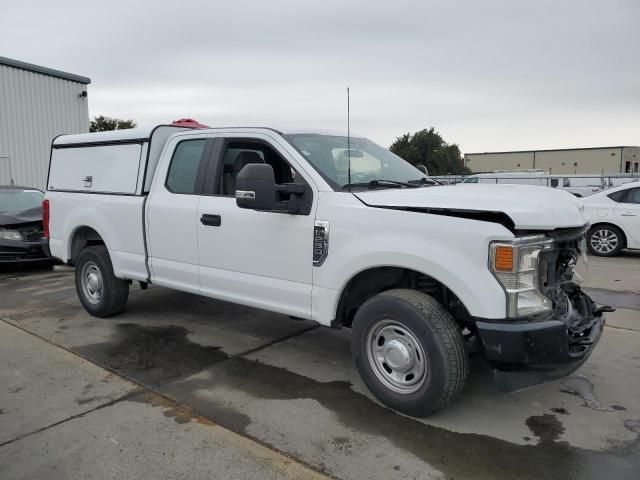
x=185, y=163
x=634, y=196
x=239, y=153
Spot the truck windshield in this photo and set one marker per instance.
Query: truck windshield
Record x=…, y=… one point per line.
x=371, y=165
x=15, y=200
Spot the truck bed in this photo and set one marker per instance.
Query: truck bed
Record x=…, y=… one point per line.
x=116, y=218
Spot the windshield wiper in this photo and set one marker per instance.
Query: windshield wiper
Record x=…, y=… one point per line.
x=424, y=182
x=380, y=183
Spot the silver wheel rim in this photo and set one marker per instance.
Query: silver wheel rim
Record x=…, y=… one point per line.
x=604, y=240
x=396, y=357
x=91, y=281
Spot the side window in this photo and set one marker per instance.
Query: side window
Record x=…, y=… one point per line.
x=183, y=169
x=633, y=196
x=618, y=196
x=566, y=182
x=554, y=182
x=471, y=180
x=239, y=153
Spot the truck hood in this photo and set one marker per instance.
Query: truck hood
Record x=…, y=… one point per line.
x=529, y=207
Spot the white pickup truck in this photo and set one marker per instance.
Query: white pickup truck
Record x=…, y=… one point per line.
x=339, y=230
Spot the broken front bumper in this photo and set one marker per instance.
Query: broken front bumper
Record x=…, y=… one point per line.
x=529, y=351
x=21, y=251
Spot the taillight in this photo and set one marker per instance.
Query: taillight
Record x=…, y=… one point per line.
x=45, y=218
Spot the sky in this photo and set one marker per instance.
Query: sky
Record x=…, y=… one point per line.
x=489, y=75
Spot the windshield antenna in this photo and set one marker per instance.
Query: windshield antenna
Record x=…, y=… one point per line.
x=348, y=141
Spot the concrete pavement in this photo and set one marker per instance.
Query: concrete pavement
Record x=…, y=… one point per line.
x=209, y=383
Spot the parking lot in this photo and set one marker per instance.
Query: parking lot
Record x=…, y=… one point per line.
x=186, y=387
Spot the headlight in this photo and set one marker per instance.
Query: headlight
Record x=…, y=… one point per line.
x=10, y=235
x=515, y=266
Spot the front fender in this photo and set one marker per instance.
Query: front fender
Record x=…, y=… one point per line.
x=452, y=250
x=473, y=284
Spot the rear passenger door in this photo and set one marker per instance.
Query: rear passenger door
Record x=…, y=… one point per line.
x=172, y=213
x=628, y=213
x=257, y=258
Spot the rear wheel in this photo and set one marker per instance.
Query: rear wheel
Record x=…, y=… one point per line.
x=605, y=240
x=409, y=351
x=100, y=292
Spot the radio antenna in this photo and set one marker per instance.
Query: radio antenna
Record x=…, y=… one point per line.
x=348, y=141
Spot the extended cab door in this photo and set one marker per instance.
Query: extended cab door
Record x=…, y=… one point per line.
x=257, y=258
x=172, y=213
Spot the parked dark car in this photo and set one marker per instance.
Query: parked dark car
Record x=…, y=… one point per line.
x=21, y=225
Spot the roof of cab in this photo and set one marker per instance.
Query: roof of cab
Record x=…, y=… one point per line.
x=144, y=133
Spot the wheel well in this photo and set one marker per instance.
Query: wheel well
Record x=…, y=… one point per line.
x=608, y=224
x=370, y=282
x=83, y=237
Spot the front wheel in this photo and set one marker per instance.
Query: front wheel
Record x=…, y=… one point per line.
x=409, y=351
x=100, y=292
x=605, y=240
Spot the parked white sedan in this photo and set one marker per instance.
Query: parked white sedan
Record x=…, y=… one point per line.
x=615, y=220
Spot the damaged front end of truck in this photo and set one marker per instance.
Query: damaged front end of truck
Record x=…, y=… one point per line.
x=537, y=345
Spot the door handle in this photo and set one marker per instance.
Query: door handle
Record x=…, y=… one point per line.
x=627, y=214
x=211, y=220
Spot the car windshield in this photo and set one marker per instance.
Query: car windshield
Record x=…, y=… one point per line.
x=15, y=200
x=371, y=164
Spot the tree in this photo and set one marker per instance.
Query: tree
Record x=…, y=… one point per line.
x=105, y=124
x=428, y=148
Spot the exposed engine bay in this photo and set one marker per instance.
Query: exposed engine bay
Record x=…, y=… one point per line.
x=559, y=282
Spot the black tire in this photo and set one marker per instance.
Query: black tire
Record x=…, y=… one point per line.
x=446, y=363
x=597, y=231
x=114, y=291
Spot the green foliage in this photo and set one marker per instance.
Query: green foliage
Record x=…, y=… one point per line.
x=428, y=148
x=105, y=124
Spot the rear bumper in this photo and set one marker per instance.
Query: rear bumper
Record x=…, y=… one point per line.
x=22, y=251
x=528, y=351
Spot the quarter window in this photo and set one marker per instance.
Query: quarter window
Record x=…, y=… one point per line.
x=183, y=170
x=618, y=196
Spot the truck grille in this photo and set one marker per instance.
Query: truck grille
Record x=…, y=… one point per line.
x=556, y=272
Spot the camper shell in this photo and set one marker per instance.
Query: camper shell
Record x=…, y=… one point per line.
x=120, y=162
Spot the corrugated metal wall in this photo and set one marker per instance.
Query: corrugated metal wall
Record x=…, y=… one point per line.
x=34, y=108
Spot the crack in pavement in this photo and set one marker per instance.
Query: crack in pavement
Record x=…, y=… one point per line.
x=126, y=396
x=143, y=389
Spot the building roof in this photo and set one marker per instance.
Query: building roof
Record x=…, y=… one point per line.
x=44, y=70
x=553, y=150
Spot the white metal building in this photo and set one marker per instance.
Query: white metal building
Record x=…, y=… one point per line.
x=36, y=105
x=588, y=161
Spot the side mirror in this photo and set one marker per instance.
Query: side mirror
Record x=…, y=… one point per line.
x=256, y=187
